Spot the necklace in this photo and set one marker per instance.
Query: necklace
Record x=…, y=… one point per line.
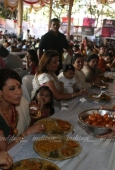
x=12, y=121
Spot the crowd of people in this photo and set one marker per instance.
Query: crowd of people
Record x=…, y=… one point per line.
x=54, y=80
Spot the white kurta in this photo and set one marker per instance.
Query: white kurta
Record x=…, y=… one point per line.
x=68, y=83
x=80, y=80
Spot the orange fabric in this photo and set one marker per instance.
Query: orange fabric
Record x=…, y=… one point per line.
x=102, y=65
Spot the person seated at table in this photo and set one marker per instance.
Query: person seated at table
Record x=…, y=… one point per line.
x=76, y=49
x=102, y=63
x=6, y=160
x=42, y=105
x=11, y=61
x=67, y=79
x=14, y=49
x=89, y=50
x=6, y=44
x=82, y=49
x=108, y=57
x=91, y=70
x=78, y=62
x=14, y=111
x=110, y=61
x=45, y=74
x=31, y=60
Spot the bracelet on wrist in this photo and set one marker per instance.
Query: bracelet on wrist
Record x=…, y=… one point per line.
x=37, y=116
x=19, y=138
x=73, y=95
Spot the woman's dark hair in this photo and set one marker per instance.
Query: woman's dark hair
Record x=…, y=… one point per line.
x=91, y=57
x=7, y=73
x=45, y=60
x=68, y=67
x=109, y=54
x=51, y=104
x=75, y=56
x=33, y=56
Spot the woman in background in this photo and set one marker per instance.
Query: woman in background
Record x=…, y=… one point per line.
x=31, y=60
x=45, y=74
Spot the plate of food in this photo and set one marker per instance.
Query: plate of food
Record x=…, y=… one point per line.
x=56, y=126
x=99, y=97
x=57, y=147
x=107, y=79
x=102, y=85
x=34, y=164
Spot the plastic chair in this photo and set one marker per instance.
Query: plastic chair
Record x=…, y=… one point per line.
x=27, y=86
x=18, y=70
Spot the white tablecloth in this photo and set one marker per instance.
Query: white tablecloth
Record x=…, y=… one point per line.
x=96, y=154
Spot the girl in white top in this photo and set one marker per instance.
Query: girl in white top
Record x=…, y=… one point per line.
x=67, y=78
x=78, y=62
x=45, y=74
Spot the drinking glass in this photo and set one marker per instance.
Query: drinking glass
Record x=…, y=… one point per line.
x=64, y=105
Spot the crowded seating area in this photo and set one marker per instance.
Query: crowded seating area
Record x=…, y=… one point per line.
x=45, y=84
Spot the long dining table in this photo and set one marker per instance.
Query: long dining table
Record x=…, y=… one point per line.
x=96, y=154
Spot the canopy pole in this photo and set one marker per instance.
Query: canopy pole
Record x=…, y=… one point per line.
x=20, y=16
x=50, y=14
x=69, y=19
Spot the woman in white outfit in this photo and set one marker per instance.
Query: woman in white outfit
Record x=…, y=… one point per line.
x=45, y=75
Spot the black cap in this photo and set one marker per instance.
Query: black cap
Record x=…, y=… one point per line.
x=68, y=67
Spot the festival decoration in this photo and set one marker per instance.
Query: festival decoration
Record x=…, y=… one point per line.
x=106, y=1
x=11, y=4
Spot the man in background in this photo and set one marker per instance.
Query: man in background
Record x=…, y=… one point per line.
x=10, y=60
x=26, y=35
x=54, y=40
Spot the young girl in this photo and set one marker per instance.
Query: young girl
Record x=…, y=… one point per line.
x=66, y=79
x=78, y=62
x=42, y=103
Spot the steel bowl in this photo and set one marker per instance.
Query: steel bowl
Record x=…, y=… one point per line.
x=90, y=129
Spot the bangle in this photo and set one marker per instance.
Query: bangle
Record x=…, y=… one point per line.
x=37, y=116
x=19, y=138
x=73, y=95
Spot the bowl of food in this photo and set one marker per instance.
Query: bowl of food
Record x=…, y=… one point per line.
x=95, y=121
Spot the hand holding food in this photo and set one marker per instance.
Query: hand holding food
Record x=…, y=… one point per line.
x=36, y=128
x=35, y=108
x=5, y=160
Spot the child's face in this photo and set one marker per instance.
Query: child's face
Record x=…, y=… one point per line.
x=78, y=64
x=69, y=74
x=44, y=95
x=107, y=59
